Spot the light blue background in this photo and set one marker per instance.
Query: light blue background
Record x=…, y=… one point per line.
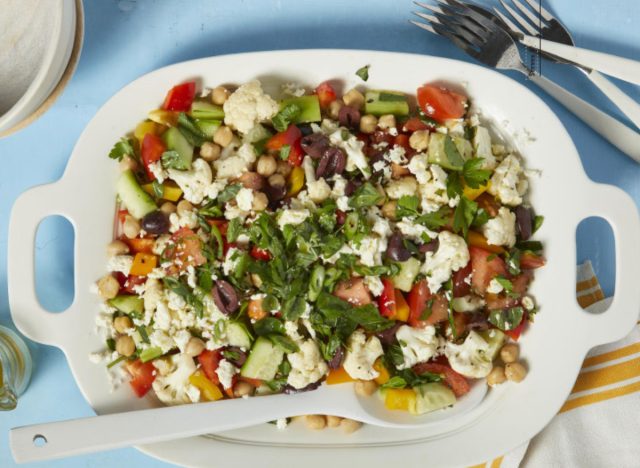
x=125, y=39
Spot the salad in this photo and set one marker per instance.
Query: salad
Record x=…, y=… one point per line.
x=266, y=246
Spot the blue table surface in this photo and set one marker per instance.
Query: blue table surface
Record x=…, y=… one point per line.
x=125, y=39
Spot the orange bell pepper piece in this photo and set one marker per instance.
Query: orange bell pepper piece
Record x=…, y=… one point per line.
x=400, y=399
x=255, y=310
x=383, y=376
x=338, y=376
x=140, y=245
x=208, y=390
x=143, y=263
x=402, y=308
x=478, y=240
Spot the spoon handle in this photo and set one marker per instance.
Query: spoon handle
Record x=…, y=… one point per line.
x=85, y=435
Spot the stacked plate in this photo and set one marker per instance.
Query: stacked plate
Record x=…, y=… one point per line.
x=40, y=43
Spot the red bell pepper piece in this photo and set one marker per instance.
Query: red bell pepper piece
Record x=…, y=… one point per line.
x=291, y=136
x=387, y=300
x=326, y=94
x=142, y=376
x=180, y=97
x=151, y=151
x=260, y=254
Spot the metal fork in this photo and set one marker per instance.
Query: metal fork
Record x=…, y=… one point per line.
x=543, y=24
x=481, y=34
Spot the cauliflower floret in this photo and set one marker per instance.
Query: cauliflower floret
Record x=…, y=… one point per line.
x=397, y=188
x=318, y=190
x=292, y=217
x=508, y=183
x=370, y=250
x=470, y=358
x=307, y=365
x=194, y=182
x=233, y=163
x=501, y=230
x=173, y=389
x=353, y=147
x=187, y=219
x=158, y=171
x=415, y=231
x=417, y=344
x=452, y=254
x=120, y=263
x=361, y=355
x=434, y=190
x=248, y=106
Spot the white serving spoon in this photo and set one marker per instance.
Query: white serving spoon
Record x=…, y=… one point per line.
x=78, y=436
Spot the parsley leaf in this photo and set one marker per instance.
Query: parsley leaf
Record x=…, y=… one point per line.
x=464, y=214
x=435, y=220
x=233, y=229
x=529, y=246
x=121, y=149
x=172, y=160
x=229, y=192
x=474, y=175
x=481, y=218
x=363, y=72
x=395, y=382
x=284, y=152
x=158, y=189
x=284, y=342
x=454, y=185
x=190, y=130
x=366, y=195
x=505, y=283
x=506, y=319
x=407, y=206
x=293, y=308
x=285, y=117
x=453, y=155
x=537, y=223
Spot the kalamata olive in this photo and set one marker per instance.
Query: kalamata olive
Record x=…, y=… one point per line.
x=396, y=250
x=305, y=129
x=339, y=160
x=349, y=117
x=275, y=194
x=336, y=360
x=323, y=166
x=288, y=389
x=235, y=355
x=314, y=144
x=388, y=336
x=225, y=297
x=155, y=222
x=478, y=321
x=524, y=221
x=352, y=186
x=341, y=217
x=333, y=161
x=430, y=247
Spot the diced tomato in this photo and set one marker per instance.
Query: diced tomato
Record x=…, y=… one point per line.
x=488, y=204
x=457, y=382
x=485, y=267
x=460, y=323
x=500, y=301
x=139, y=245
x=209, y=361
x=461, y=281
x=440, y=103
x=414, y=124
x=530, y=261
x=221, y=224
x=326, y=94
x=151, y=151
x=187, y=248
x=353, y=291
x=260, y=254
x=131, y=282
x=226, y=246
x=387, y=300
x=381, y=136
x=516, y=332
x=419, y=299
x=142, y=376
x=122, y=215
x=521, y=282
x=180, y=97
x=254, y=382
x=403, y=141
x=291, y=136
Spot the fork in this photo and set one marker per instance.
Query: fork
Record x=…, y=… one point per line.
x=553, y=30
x=481, y=35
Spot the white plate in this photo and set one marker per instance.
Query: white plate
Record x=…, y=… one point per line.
x=553, y=348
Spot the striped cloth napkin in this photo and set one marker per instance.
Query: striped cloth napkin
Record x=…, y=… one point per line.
x=599, y=424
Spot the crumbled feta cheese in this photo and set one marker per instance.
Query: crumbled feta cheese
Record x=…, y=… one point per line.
x=396, y=155
x=370, y=250
x=248, y=106
x=161, y=244
x=307, y=365
x=293, y=89
x=225, y=372
x=470, y=358
x=434, y=191
x=415, y=231
x=172, y=388
x=495, y=287
x=188, y=219
x=244, y=199
x=292, y=217
x=319, y=190
x=381, y=225
x=181, y=338
x=528, y=303
x=353, y=148
x=230, y=261
x=232, y=211
x=396, y=189
x=374, y=284
x=291, y=330
x=501, y=230
x=361, y=355
x=508, y=183
x=194, y=182
x=452, y=254
x=158, y=171
x=120, y=263
x=417, y=344
x=419, y=167
x=343, y=203
x=157, y=273
x=382, y=167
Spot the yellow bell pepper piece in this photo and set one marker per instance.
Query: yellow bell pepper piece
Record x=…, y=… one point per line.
x=383, y=376
x=473, y=193
x=145, y=127
x=170, y=192
x=164, y=117
x=208, y=390
x=143, y=263
x=478, y=240
x=402, y=308
x=338, y=376
x=296, y=181
x=400, y=399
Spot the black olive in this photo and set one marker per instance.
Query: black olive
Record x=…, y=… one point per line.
x=155, y=222
x=225, y=297
x=336, y=359
x=396, y=250
x=314, y=144
x=524, y=221
x=388, y=336
x=349, y=117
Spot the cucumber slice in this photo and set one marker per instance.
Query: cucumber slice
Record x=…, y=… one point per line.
x=205, y=110
x=177, y=142
x=309, y=108
x=385, y=102
x=263, y=360
x=409, y=269
x=444, y=151
x=150, y=354
x=463, y=146
x=238, y=335
x=135, y=199
x=256, y=134
x=432, y=397
x=495, y=339
x=127, y=304
x=482, y=143
x=208, y=127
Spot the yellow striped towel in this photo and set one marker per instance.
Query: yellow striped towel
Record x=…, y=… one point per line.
x=599, y=424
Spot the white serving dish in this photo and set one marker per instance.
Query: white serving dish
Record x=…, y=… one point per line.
x=553, y=349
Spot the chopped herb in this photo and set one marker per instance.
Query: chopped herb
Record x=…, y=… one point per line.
x=293, y=308
x=366, y=195
x=464, y=215
x=391, y=97
x=231, y=354
x=284, y=152
x=190, y=130
x=111, y=344
x=505, y=283
x=182, y=290
x=216, y=239
x=453, y=155
x=407, y=206
x=428, y=309
x=284, y=342
x=158, y=189
x=233, y=229
x=513, y=261
x=121, y=149
x=529, y=246
x=143, y=334
x=285, y=117
x=435, y=220
x=506, y=319
x=229, y=192
x=454, y=185
x=537, y=223
x=172, y=160
x=268, y=326
x=481, y=218
x=205, y=281
x=344, y=134
x=363, y=72
x=474, y=175
x=116, y=361
x=270, y=303
x=395, y=382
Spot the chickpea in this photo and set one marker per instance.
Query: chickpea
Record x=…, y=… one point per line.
x=385, y=122
x=108, y=287
x=366, y=387
x=284, y=168
x=260, y=202
x=117, y=248
x=496, y=376
x=251, y=180
x=315, y=421
x=223, y=136
x=509, y=353
x=350, y=425
x=122, y=323
x=333, y=421
x=419, y=140
x=515, y=372
x=210, y=151
x=266, y=165
x=125, y=345
x=168, y=208
x=353, y=98
x=277, y=180
x=242, y=388
x=334, y=109
x=128, y=163
x=194, y=347
x=389, y=209
x=398, y=171
x=184, y=207
x=219, y=95
x=368, y=123
x=131, y=227
x=256, y=280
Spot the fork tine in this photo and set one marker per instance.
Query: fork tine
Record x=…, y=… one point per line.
x=538, y=7
x=424, y=26
x=457, y=8
x=510, y=24
x=424, y=16
x=535, y=19
x=463, y=28
x=426, y=6
x=530, y=29
x=457, y=40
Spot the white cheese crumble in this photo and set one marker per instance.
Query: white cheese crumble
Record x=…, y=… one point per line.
x=187, y=219
x=226, y=371
x=495, y=287
x=417, y=344
x=230, y=261
x=361, y=355
x=434, y=191
x=396, y=155
x=292, y=217
x=374, y=283
x=293, y=89
x=307, y=365
x=452, y=254
x=158, y=171
x=415, y=231
x=194, y=182
x=120, y=263
x=501, y=230
x=244, y=199
x=248, y=106
x=370, y=250
x=396, y=189
x=508, y=183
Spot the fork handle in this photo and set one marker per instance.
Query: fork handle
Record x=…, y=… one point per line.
x=623, y=101
x=618, y=134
